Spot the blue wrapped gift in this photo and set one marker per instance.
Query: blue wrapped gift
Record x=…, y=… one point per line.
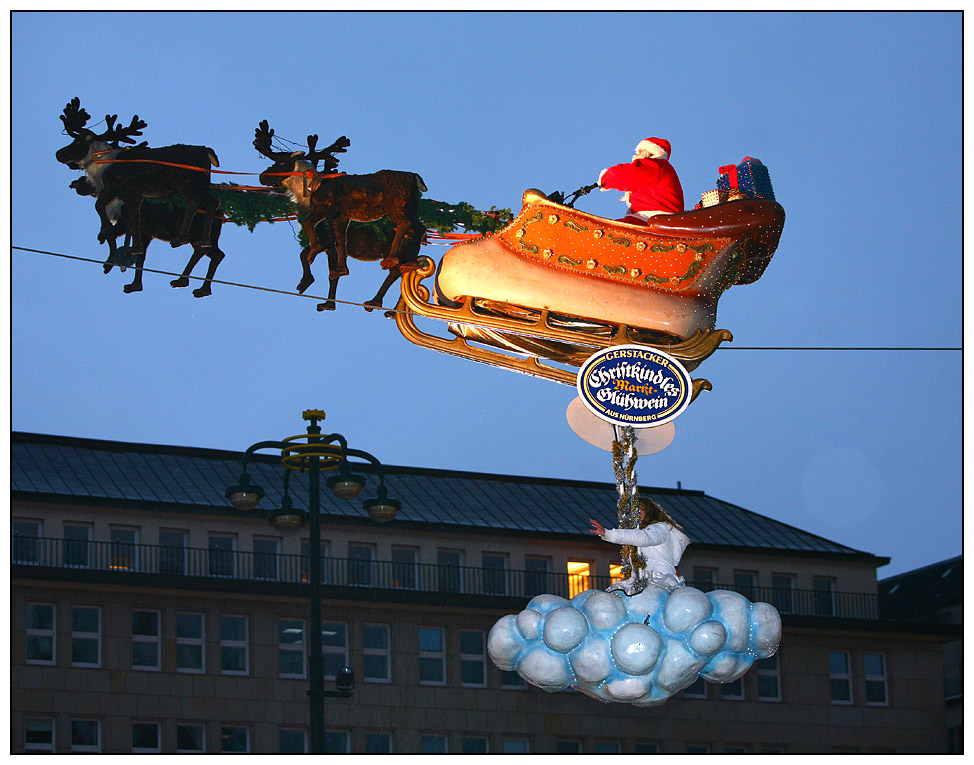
x=750, y=176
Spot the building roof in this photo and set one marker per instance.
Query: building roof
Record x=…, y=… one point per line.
x=923, y=592
x=192, y=479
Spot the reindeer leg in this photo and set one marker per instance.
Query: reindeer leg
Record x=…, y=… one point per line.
x=216, y=256
x=339, y=268
x=307, y=278
x=183, y=236
x=136, y=285
x=376, y=302
x=329, y=304
x=183, y=280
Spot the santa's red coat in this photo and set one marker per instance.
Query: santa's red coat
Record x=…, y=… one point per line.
x=652, y=183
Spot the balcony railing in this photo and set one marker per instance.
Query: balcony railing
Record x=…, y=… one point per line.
x=241, y=566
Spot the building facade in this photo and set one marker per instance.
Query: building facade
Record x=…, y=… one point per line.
x=150, y=616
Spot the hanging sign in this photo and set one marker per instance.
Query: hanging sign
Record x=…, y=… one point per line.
x=634, y=385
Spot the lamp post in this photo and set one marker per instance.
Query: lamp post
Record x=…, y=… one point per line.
x=314, y=453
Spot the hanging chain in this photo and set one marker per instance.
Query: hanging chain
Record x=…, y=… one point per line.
x=624, y=464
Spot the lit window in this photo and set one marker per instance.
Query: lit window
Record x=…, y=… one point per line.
x=39, y=734
x=473, y=745
x=579, y=577
x=172, y=552
x=334, y=648
x=234, y=738
x=27, y=543
x=449, y=578
x=146, y=640
x=39, y=633
x=432, y=656
x=378, y=743
x=769, y=679
x=233, y=645
x=145, y=737
x=190, y=642
x=876, y=690
x=615, y=573
x=222, y=560
x=494, y=570
x=336, y=742
x=266, y=558
x=85, y=636
x=840, y=676
x=823, y=596
x=292, y=741
x=404, y=568
x=86, y=735
x=360, y=565
x=190, y=738
x=290, y=648
x=433, y=745
x=473, y=659
x=123, y=549
x=376, y=653
x=782, y=592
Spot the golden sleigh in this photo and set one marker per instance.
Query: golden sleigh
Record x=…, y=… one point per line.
x=558, y=284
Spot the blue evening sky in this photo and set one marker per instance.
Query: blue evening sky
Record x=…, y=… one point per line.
x=857, y=116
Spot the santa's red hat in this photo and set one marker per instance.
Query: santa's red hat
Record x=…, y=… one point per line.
x=654, y=147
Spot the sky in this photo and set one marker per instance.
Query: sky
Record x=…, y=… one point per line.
x=857, y=116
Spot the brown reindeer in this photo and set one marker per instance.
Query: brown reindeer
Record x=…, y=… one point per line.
x=132, y=174
x=327, y=204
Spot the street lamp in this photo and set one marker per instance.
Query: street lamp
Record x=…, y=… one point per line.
x=313, y=453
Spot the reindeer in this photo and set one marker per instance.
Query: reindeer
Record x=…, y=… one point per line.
x=160, y=221
x=133, y=174
x=328, y=204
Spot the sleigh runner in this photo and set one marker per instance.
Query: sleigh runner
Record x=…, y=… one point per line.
x=557, y=284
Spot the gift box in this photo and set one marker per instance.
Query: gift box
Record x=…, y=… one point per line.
x=719, y=196
x=750, y=176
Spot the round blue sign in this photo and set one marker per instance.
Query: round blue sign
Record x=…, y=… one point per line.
x=634, y=385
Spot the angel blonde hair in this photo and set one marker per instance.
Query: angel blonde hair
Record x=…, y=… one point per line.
x=655, y=514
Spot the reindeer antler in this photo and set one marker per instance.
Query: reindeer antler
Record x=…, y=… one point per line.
x=331, y=163
x=262, y=142
x=74, y=117
x=121, y=134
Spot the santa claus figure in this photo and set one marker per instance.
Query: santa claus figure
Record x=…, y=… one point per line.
x=650, y=182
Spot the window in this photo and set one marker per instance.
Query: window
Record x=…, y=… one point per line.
x=360, y=565
x=473, y=659
x=744, y=582
x=77, y=538
x=568, y=746
x=190, y=636
x=290, y=648
x=404, y=568
x=266, y=551
x=704, y=579
x=840, y=675
x=514, y=746
x=123, y=549
x=448, y=571
x=146, y=640
x=579, y=576
x=433, y=745
x=39, y=734
x=292, y=741
x=473, y=745
x=223, y=562
x=85, y=636
x=306, y=561
x=378, y=743
x=782, y=592
x=336, y=742
x=375, y=647
x=697, y=749
x=769, y=679
x=233, y=645
x=334, y=647
x=607, y=747
x=822, y=596
x=27, y=542
x=512, y=680
x=234, y=738
x=876, y=690
x=145, y=737
x=39, y=633
x=494, y=570
x=735, y=749
x=646, y=747
x=733, y=690
x=615, y=573
x=190, y=738
x=696, y=690
x=172, y=552
x=86, y=735
x=432, y=657
x=536, y=575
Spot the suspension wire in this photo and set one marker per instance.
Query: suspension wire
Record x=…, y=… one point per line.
x=384, y=310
